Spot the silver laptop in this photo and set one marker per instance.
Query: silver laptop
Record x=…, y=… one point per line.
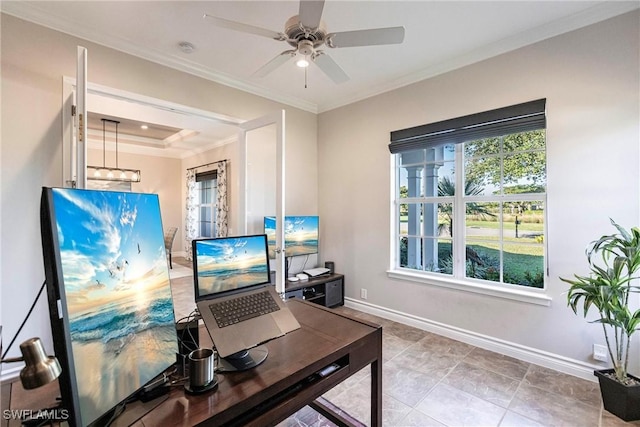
x=238, y=305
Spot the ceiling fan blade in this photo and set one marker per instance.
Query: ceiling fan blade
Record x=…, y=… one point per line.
x=330, y=67
x=244, y=28
x=310, y=13
x=376, y=36
x=275, y=63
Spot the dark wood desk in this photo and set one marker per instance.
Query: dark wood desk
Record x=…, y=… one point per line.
x=277, y=388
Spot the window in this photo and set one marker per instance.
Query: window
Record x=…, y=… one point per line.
x=471, y=198
x=207, y=190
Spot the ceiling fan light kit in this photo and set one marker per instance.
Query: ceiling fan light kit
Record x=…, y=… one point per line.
x=302, y=63
x=307, y=33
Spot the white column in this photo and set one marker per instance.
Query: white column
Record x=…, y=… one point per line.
x=414, y=180
x=414, y=185
x=434, y=157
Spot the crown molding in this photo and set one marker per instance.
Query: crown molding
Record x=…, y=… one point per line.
x=167, y=152
x=28, y=11
x=188, y=153
x=587, y=17
x=32, y=13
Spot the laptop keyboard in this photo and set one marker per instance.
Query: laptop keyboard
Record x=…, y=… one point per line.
x=242, y=308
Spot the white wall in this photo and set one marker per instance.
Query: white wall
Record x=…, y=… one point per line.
x=159, y=175
x=261, y=170
x=590, y=78
x=34, y=61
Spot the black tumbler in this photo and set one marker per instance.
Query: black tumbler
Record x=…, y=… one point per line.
x=330, y=265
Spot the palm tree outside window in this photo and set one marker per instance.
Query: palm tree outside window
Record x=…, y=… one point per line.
x=493, y=231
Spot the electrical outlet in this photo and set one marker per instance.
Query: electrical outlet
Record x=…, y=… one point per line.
x=363, y=293
x=600, y=352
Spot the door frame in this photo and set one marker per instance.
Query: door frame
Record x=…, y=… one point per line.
x=276, y=118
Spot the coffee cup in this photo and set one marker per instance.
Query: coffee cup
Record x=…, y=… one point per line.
x=201, y=367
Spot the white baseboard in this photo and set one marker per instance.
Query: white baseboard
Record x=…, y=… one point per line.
x=527, y=354
x=538, y=357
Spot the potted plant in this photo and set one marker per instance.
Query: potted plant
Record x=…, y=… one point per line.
x=614, y=263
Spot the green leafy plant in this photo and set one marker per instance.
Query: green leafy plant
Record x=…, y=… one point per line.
x=614, y=263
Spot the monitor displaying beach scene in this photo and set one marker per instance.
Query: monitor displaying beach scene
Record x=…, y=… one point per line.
x=300, y=235
x=115, y=294
x=270, y=231
x=229, y=263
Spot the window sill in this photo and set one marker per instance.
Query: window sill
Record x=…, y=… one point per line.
x=530, y=297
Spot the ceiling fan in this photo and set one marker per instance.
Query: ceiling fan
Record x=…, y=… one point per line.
x=307, y=33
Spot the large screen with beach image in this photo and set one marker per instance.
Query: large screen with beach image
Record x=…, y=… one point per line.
x=110, y=298
x=229, y=263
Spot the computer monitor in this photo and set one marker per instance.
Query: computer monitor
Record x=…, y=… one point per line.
x=110, y=301
x=227, y=264
x=301, y=234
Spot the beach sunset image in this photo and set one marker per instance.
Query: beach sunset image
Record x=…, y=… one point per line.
x=301, y=235
x=117, y=293
x=231, y=263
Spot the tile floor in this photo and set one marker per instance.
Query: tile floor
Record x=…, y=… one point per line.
x=430, y=380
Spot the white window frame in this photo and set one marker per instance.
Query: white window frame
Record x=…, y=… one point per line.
x=458, y=280
x=212, y=206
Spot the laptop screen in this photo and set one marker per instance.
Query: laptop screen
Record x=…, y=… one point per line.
x=226, y=264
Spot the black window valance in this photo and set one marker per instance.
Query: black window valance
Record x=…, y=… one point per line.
x=207, y=176
x=502, y=121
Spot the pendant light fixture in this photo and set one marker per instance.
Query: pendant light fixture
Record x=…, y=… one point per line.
x=104, y=173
